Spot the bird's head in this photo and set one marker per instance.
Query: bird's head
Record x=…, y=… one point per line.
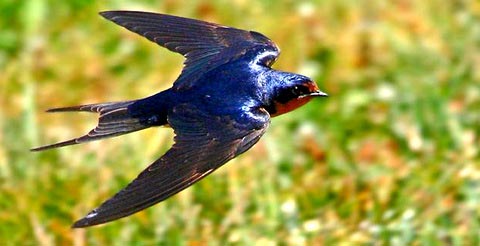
x=294, y=91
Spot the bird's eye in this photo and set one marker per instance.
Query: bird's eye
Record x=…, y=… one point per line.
x=297, y=91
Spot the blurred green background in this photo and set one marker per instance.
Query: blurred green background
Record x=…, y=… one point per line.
x=390, y=158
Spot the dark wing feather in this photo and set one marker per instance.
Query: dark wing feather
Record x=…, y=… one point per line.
x=205, y=45
x=202, y=144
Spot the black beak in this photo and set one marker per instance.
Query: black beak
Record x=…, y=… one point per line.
x=317, y=93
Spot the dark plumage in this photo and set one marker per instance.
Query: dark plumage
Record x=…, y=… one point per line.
x=219, y=106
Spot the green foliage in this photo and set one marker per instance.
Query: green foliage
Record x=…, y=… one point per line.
x=390, y=158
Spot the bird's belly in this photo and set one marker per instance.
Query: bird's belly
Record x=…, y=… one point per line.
x=282, y=108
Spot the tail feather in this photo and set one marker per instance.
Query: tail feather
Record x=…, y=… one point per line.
x=94, y=108
x=114, y=120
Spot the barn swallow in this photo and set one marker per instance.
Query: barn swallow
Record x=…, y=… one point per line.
x=219, y=106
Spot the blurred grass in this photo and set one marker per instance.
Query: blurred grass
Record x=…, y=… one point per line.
x=390, y=158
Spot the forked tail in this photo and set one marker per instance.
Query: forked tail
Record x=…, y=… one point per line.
x=114, y=120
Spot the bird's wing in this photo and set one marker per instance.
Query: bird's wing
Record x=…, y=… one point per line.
x=205, y=45
x=203, y=143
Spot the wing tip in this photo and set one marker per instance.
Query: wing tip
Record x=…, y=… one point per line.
x=112, y=14
x=80, y=224
x=98, y=216
x=109, y=14
x=88, y=220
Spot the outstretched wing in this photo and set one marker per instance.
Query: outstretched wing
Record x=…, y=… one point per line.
x=205, y=45
x=202, y=144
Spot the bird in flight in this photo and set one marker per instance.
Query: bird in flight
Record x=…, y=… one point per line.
x=219, y=106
